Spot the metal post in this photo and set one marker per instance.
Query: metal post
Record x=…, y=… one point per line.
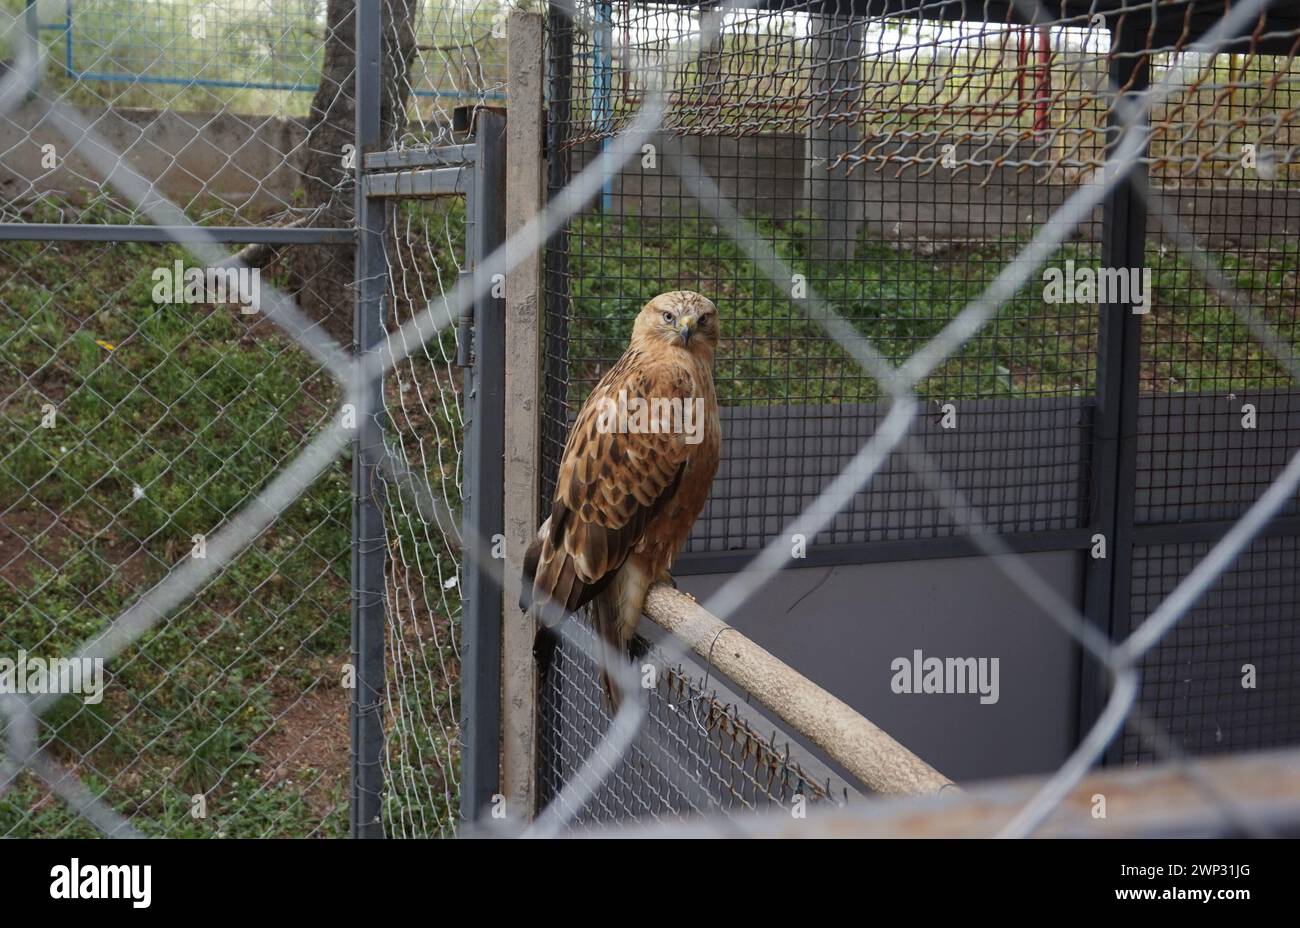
x=480, y=707
x=555, y=261
x=834, y=87
x=369, y=623
x=523, y=409
x=32, y=22
x=1043, y=91
x=602, y=91
x=1123, y=240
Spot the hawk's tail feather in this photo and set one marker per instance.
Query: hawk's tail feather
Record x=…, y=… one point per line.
x=546, y=611
x=604, y=616
x=544, y=643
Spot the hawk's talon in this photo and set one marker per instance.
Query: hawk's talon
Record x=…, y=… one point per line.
x=637, y=649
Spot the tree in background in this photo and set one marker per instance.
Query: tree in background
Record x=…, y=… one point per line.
x=323, y=274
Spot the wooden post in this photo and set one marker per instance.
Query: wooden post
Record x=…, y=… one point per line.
x=524, y=200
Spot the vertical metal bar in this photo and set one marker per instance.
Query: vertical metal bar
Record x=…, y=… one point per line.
x=483, y=517
x=32, y=26
x=555, y=261
x=1107, y=581
x=602, y=91
x=835, y=85
x=369, y=623
x=67, y=41
x=523, y=413
x=1043, y=92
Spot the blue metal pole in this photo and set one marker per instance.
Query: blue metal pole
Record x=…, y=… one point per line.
x=67, y=40
x=602, y=89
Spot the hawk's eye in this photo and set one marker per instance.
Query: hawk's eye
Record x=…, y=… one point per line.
x=668, y=318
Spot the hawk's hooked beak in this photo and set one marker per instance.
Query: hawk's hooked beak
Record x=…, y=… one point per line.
x=687, y=328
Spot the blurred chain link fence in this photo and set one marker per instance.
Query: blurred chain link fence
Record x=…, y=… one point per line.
x=144, y=413
x=182, y=433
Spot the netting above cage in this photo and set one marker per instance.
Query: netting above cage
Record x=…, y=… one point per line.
x=913, y=84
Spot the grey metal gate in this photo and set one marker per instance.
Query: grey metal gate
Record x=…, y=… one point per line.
x=474, y=170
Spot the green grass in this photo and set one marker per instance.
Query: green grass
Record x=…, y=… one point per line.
x=899, y=298
x=236, y=696
x=198, y=408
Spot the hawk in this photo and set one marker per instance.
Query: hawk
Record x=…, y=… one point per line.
x=636, y=469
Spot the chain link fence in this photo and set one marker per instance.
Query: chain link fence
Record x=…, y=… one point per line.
x=173, y=500
x=178, y=201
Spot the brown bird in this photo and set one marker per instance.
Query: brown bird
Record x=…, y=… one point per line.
x=636, y=470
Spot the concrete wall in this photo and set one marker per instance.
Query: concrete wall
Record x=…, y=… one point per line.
x=242, y=162
x=916, y=202
x=843, y=626
x=245, y=162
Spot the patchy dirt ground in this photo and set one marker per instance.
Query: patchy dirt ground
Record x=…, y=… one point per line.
x=308, y=744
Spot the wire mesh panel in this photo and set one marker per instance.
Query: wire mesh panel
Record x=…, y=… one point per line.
x=696, y=754
x=894, y=160
x=177, y=288
x=161, y=422
x=423, y=480
x=1224, y=170
x=187, y=93
x=1216, y=415
x=835, y=132
x=266, y=46
x=146, y=400
x=427, y=247
x=1228, y=678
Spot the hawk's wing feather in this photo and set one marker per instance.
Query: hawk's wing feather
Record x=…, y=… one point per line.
x=611, y=484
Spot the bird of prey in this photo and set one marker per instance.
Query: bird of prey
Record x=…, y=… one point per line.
x=636, y=469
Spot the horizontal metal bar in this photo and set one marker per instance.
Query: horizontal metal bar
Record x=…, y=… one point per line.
x=446, y=156
x=1175, y=533
x=441, y=182
x=235, y=235
x=881, y=552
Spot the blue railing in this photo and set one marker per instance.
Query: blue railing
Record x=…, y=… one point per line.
x=146, y=37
